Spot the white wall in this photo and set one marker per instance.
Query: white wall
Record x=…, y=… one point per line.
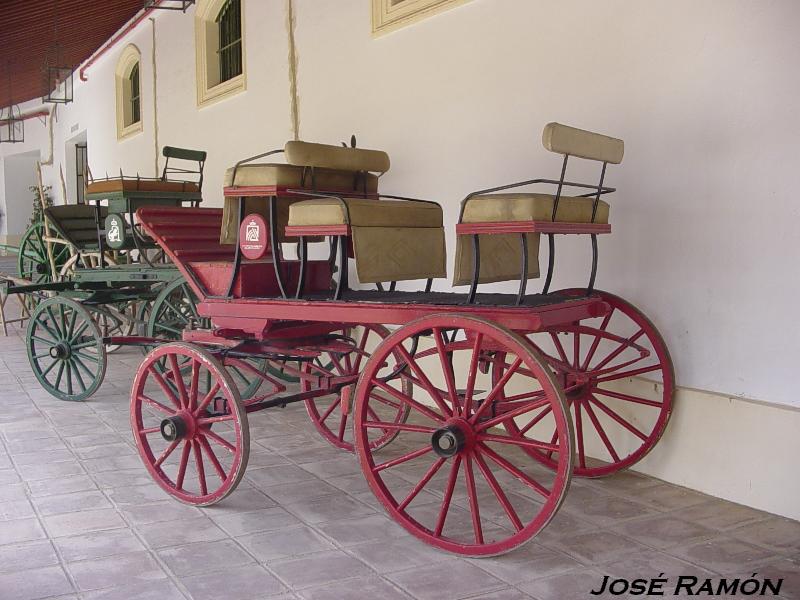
x=704, y=95
x=20, y=176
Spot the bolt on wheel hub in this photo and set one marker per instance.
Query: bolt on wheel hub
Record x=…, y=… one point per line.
x=173, y=428
x=60, y=350
x=448, y=441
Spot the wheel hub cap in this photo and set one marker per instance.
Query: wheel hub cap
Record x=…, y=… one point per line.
x=60, y=350
x=448, y=441
x=173, y=428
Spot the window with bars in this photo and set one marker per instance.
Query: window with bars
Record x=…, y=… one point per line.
x=135, y=95
x=229, y=22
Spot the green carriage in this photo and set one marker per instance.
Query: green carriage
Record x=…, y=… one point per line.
x=94, y=276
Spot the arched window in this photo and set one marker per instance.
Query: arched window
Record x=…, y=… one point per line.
x=230, y=40
x=136, y=92
x=129, y=92
x=219, y=33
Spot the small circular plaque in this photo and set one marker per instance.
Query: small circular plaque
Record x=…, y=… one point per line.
x=254, y=237
x=115, y=231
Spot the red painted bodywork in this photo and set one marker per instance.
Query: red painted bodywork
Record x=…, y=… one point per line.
x=256, y=308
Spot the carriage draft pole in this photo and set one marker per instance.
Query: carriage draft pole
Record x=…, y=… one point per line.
x=47, y=240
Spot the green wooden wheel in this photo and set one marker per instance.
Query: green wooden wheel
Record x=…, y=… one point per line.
x=65, y=349
x=173, y=310
x=33, y=263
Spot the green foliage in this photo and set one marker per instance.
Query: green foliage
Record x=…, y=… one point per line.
x=36, y=214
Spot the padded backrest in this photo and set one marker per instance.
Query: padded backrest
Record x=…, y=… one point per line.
x=563, y=139
x=76, y=222
x=184, y=153
x=324, y=156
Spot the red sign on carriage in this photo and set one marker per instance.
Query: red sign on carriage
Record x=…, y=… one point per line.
x=254, y=237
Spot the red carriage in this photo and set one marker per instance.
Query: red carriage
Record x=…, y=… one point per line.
x=469, y=412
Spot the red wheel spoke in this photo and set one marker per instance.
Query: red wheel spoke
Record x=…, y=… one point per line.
x=536, y=419
x=518, y=441
x=448, y=496
x=329, y=410
x=207, y=399
x=157, y=405
x=405, y=399
x=362, y=344
x=498, y=492
x=213, y=458
x=559, y=347
x=434, y=468
x=211, y=420
x=382, y=400
x=201, y=472
x=502, y=462
x=469, y=475
x=220, y=440
x=496, y=390
x=524, y=396
x=178, y=377
x=182, y=466
x=424, y=381
x=596, y=341
x=398, y=427
x=404, y=458
x=447, y=369
x=625, y=374
x=579, y=434
x=601, y=432
x=193, y=386
x=342, y=426
x=149, y=430
x=372, y=414
x=511, y=414
x=165, y=387
x=626, y=397
x=619, y=419
x=165, y=454
x=553, y=439
x=576, y=349
x=472, y=374
x=621, y=348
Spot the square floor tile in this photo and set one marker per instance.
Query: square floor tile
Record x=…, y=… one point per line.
x=318, y=569
x=75, y=523
x=285, y=543
x=458, y=577
x=100, y=544
x=194, y=559
x=107, y=572
x=361, y=588
x=34, y=584
x=237, y=583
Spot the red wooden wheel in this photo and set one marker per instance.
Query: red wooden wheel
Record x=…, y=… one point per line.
x=617, y=419
x=326, y=412
x=453, y=477
x=193, y=440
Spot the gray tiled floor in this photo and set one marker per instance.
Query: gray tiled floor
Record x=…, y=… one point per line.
x=80, y=518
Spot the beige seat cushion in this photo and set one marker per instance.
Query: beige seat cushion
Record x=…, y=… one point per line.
x=131, y=184
x=365, y=213
x=393, y=240
x=291, y=176
x=492, y=208
x=501, y=253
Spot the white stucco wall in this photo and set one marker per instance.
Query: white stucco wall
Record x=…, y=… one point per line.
x=703, y=93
